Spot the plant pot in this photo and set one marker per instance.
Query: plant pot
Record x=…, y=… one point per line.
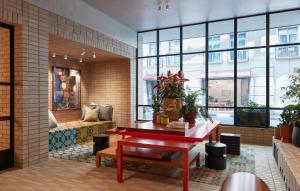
x=190, y=118
x=286, y=133
x=158, y=118
x=154, y=117
x=277, y=133
x=296, y=135
x=172, y=107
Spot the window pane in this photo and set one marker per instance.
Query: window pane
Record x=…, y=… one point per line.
x=167, y=63
x=274, y=117
x=251, y=117
x=225, y=115
x=145, y=113
x=253, y=30
x=147, y=44
x=251, y=79
x=284, y=27
x=282, y=65
x=169, y=41
x=221, y=83
x=194, y=70
x=219, y=35
x=147, y=76
x=193, y=38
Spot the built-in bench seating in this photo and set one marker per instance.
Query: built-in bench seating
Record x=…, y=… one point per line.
x=76, y=132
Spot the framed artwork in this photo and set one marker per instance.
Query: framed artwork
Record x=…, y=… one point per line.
x=66, y=88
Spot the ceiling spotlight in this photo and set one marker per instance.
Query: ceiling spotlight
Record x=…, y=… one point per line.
x=80, y=60
x=53, y=54
x=94, y=55
x=82, y=51
x=66, y=57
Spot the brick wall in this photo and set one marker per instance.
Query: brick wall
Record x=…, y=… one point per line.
x=59, y=61
x=33, y=26
x=110, y=84
x=4, y=90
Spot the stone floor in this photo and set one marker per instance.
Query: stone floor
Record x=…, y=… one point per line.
x=59, y=175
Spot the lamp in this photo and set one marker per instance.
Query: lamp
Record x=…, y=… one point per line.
x=66, y=57
x=53, y=55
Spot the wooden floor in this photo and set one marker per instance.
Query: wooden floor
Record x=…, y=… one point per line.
x=60, y=175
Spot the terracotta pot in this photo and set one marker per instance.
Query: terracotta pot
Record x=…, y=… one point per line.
x=172, y=107
x=158, y=118
x=154, y=117
x=190, y=118
x=277, y=133
x=286, y=133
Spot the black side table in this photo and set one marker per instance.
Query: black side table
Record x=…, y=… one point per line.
x=215, y=156
x=100, y=142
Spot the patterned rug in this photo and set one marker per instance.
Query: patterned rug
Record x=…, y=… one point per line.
x=245, y=162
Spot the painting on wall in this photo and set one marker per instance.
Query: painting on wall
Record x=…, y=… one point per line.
x=66, y=88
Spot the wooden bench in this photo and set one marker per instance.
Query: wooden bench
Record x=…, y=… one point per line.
x=244, y=181
x=145, y=158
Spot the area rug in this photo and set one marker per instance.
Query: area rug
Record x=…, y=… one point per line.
x=245, y=162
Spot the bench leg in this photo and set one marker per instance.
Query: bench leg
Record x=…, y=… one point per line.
x=185, y=155
x=198, y=160
x=119, y=162
x=98, y=161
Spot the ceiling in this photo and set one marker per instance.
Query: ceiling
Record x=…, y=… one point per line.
x=143, y=14
x=73, y=49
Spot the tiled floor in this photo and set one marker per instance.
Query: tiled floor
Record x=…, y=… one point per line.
x=59, y=175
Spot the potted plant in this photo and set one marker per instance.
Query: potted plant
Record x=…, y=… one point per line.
x=156, y=105
x=171, y=90
x=190, y=109
x=252, y=114
x=292, y=94
x=277, y=132
x=288, y=116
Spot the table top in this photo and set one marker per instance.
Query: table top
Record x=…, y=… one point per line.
x=195, y=133
x=244, y=181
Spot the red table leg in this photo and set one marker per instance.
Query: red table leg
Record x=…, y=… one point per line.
x=217, y=134
x=119, y=162
x=185, y=155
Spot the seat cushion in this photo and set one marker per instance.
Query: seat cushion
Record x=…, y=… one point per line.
x=106, y=112
x=51, y=120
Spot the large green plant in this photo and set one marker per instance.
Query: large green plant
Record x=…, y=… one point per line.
x=290, y=114
x=292, y=91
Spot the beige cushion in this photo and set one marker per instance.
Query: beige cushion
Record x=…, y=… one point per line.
x=51, y=120
x=91, y=115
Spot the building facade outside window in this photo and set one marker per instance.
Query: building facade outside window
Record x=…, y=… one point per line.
x=287, y=35
x=242, y=55
x=214, y=43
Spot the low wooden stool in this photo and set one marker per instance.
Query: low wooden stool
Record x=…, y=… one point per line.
x=243, y=181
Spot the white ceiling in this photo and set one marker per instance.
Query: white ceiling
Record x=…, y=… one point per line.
x=143, y=15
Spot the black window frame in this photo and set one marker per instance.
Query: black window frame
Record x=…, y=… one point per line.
x=235, y=49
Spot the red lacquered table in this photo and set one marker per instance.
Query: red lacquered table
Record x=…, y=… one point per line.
x=158, y=137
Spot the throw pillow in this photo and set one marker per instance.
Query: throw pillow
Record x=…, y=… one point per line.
x=106, y=112
x=91, y=106
x=51, y=120
x=91, y=115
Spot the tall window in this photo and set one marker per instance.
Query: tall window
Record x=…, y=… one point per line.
x=235, y=89
x=214, y=43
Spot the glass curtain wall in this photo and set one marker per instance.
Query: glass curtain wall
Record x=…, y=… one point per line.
x=242, y=62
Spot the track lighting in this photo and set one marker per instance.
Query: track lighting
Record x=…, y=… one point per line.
x=66, y=57
x=53, y=54
x=94, y=55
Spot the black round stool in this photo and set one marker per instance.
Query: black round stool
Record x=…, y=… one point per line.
x=215, y=156
x=100, y=142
